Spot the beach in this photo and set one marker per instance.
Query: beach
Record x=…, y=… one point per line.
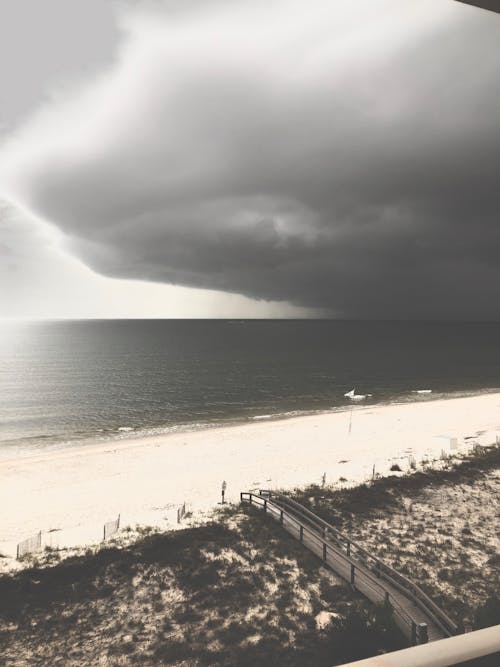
x=70, y=494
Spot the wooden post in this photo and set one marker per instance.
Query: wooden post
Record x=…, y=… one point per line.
x=386, y=599
x=348, y=548
x=352, y=574
x=265, y=505
x=281, y=517
x=423, y=634
x=302, y=533
x=324, y=552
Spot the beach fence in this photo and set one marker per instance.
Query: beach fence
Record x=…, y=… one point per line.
x=29, y=545
x=111, y=528
x=181, y=512
x=78, y=535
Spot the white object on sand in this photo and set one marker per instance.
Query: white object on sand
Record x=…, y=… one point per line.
x=422, y=391
x=353, y=396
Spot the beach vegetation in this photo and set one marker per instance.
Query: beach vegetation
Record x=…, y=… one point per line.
x=237, y=590
x=434, y=525
x=240, y=591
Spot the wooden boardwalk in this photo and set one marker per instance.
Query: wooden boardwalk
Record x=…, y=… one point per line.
x=418, y=617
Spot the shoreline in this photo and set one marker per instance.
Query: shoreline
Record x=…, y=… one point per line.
x=138, y=438
x=73, y=492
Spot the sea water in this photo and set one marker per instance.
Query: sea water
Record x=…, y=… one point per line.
x=80, y=382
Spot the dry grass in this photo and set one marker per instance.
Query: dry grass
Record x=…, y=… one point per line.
x=238, y=591
x=439, y=527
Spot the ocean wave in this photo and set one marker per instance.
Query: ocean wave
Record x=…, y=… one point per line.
x=288, y=414
x=34, y=444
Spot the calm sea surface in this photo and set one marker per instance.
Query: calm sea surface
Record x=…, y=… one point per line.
x=67, y=383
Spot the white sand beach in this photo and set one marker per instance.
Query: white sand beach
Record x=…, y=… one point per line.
x=73, y=492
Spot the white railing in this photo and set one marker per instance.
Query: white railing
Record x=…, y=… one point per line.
x=480, y=646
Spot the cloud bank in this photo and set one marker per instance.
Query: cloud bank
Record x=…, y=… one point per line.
x=343, y=159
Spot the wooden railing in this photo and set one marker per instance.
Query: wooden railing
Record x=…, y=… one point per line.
x=365, y=572
x=398, y=580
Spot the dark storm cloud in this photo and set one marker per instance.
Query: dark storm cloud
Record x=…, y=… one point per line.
x=341, y=161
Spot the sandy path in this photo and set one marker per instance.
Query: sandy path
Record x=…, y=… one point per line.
x=146, y=479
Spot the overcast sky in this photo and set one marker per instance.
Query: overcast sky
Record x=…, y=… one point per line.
x=177, y=158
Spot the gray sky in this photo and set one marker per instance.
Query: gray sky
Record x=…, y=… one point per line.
x=49, y=44
x=338, y=162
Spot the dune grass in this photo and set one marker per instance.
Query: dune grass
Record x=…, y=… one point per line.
x=440, y=527
x=238, y=591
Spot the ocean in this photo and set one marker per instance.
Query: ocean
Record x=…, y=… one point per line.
x=80, y=382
